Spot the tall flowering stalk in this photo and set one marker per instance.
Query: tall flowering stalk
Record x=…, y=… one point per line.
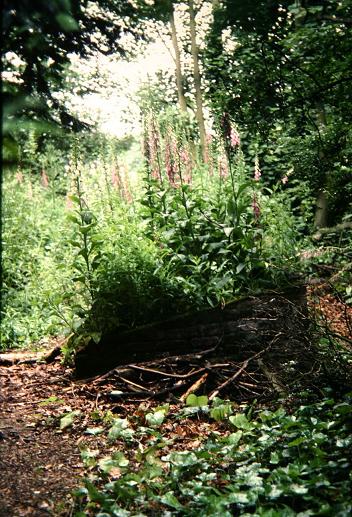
x=208, y=153
x=153, y=151
x=170, y=163
x=255, y=207
x=19, y=176
x=231, y=142
x=257, y=171
x=187, y=165
x=44, y=179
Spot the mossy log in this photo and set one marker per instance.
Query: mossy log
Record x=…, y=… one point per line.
x=239, y=329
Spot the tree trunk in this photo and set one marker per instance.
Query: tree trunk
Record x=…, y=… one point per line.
x=321, y=211
x=197, y=80
x=179, y=74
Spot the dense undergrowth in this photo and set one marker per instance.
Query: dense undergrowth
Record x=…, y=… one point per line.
x=89, y=244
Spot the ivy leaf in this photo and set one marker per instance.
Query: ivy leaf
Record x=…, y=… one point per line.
x=240, y=421
x=120, y=429
x=155, y=419
x=94, y=430
x=194, y=401
x=67, y=420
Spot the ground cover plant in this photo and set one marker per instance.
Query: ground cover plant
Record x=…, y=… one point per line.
x=256, y=462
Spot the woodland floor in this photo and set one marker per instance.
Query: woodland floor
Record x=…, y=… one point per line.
x=40, y=464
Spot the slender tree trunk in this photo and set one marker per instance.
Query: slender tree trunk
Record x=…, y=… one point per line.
x=179, y=74
x=197, y=80
x=321, y=211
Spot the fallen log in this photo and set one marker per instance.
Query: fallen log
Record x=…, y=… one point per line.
x=240, y=329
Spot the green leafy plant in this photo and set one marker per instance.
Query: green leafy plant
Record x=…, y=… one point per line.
x=276, y=463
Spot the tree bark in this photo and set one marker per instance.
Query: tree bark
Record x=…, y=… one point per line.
x=197, y=80
x=179, y=74
x=321, y=211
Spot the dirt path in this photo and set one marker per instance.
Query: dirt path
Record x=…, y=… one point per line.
x=39, y=464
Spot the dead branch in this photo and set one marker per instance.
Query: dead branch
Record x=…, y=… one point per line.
x=135, y=385
x=229, y=380
x=166, y=374
x=195, y=386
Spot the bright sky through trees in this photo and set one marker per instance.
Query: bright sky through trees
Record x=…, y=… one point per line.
x=113, y=104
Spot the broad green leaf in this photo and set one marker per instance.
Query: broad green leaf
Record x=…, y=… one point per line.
x=194, y=401
x=221, y=412
x=169, y=499
x=110, y=462
x=274, y=458
x=183, y=459
x=240, y=421
x=234, y=438
x=66, y=22
x=120, y=429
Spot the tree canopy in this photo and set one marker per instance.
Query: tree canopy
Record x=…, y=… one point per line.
x=38, y=40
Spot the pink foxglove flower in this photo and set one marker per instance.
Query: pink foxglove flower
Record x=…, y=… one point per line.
x=169, y=160
x=223, y=168
x=257, y=172
x=115, y=178
x=284, y=180
x=187, y=163
x=19, y=177
x=69, y=203
x=234, y=138
x=44, y=179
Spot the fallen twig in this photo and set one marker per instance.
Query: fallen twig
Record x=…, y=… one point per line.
x=195, y=386
x=229, y=380
x=131, y=383
x=166, y=374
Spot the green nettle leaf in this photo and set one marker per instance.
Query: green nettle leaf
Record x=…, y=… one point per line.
x=67, y=420
x=194, y=401
x=240, y=420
